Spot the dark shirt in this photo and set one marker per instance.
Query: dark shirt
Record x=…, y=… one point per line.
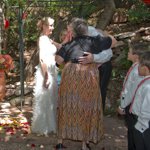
x=76, y=48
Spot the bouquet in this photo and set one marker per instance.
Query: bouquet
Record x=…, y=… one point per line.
x=6, y=62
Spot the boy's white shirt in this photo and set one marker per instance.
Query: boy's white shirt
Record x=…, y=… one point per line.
x=141, y=106
x=130, y=86
x=103, y=56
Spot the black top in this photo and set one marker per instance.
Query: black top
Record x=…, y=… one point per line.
x=76, y=48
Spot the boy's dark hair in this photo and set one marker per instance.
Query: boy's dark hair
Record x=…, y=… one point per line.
x=145, y=59
x=138, y=47
x=79, y=26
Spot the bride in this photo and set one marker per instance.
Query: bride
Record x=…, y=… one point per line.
x=45, y=91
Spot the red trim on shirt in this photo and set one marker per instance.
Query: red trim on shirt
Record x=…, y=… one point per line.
x=127, y=76
x=130, y=110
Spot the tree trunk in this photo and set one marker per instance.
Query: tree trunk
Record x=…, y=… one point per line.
x=107, y=13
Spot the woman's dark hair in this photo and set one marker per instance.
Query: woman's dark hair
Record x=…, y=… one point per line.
x=79, y=26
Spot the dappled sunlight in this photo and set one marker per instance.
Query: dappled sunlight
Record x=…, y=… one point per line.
x=15, y=126
x=7, y=109
x=11, y=126
x=13, y=123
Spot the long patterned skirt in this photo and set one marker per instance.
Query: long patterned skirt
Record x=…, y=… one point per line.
x=80, y=115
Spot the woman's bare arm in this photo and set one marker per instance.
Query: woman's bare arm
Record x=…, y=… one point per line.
x=59, y=60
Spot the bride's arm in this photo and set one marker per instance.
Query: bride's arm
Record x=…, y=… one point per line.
x=59, y=60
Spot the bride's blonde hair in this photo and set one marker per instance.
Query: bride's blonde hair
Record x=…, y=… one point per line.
x=43, y=21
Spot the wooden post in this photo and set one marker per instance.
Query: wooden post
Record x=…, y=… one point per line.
x=1, y=24
x=21, y=49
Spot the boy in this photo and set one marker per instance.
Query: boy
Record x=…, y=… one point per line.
x=140, y=105
x=130, y=83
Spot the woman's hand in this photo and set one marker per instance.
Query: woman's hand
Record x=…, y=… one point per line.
x=59, y=60
x=68, y=37
x=86, y=59
x=58, y=45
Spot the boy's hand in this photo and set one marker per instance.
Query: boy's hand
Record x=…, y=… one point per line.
x=121, y=111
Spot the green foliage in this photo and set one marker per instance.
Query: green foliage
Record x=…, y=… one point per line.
x=36, y=10
x=123, y=65
x=20, y=3
x=3, y=52
x=139, y=12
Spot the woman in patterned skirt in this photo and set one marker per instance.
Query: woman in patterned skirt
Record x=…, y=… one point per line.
x=80, y=115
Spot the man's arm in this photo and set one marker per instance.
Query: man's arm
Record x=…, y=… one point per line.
x=103, y=57
x=114, y=41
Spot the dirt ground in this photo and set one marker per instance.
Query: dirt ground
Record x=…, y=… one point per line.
x=15, y=132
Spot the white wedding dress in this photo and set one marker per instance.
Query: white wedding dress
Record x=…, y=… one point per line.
x=45, y=100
